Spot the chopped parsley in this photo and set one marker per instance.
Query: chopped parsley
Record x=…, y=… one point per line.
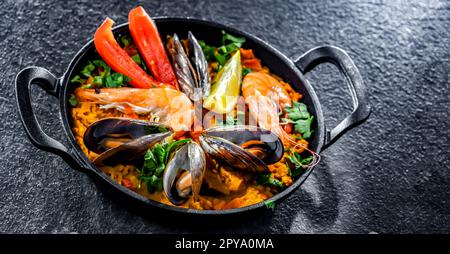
x=298, y=115
x=155, y=161
x=88, y=69
x=77, y=79
x=137, y=59
x=267, y=179
x=98, y=74
x=229, y=44
x=124, y=40
x=246, y=71
x=116, y=80
x=270, y=204
x=73, y=100
x=299, y=163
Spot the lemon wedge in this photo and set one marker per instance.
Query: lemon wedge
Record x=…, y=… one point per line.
x=226, y=87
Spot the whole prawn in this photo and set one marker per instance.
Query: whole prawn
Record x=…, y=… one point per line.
x=170, y=106
x=265, y=96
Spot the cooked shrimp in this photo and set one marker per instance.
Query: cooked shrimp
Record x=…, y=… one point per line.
x=171, y=106
x=264, y=96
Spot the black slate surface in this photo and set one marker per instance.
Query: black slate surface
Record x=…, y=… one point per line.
x=390, y=174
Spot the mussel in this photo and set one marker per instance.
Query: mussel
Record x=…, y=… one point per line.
x=184, y=172
x=191, y=68
x=122, y=140
x=248, y=148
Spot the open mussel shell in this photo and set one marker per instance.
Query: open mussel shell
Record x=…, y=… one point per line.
x=262, y=143
x=201, y=66
x=183, y=68
x=129, y=152
x=191, y=70
x=108, y=133
x=122, y=140
x=184, y=172
x=231, y=154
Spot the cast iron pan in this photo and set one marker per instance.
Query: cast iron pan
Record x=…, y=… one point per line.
x=291, y=71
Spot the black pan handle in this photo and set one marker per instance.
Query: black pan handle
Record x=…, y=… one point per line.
x=358, y=91
x=47, y=81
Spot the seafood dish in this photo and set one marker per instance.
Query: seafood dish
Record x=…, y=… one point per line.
x=187, y=122
x=189, y=116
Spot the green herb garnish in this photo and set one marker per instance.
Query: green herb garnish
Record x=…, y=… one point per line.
x=116, y=80
x=137, y=59
x=298, y=115
x=102, y=76
x=98, y=81
x=299, y=163
x=238, y=41
x=155, y=129
x=77, y=79
x=155, y=161
x=170, y=147
x=303, y=126
x=298, y=111
x=207, y=50
x=125, y=40
x=246, y=71
x=270, y=204
x=229, y=44
x=87, y=70
x=101, y=63
x=267, y=179
x=105, y=70
x=154, y=183
x=73, y=100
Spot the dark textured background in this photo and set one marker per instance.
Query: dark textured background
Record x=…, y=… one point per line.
x=390, y=174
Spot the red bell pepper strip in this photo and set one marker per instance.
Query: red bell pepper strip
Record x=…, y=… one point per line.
x=148, y=41
x=118, y=59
